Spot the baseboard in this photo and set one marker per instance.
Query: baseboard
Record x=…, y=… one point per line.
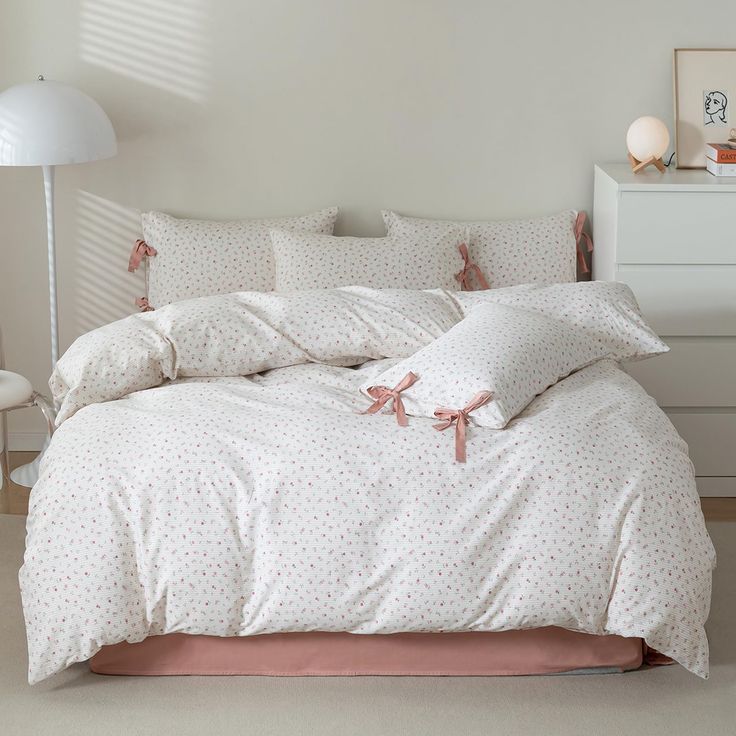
x=25, y=441
x=720, y=487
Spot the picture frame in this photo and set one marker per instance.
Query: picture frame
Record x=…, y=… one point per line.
x=705, y=101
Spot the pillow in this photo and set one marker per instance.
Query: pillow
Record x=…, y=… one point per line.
x=507, y=252
x=509, y=353
x=606, y=311
x=201, y=257
x=307, y=261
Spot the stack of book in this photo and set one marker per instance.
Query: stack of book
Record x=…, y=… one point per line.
x=720, y=158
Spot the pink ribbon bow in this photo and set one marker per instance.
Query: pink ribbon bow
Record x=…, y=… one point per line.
x=459, y=417
x=581, y=235
x=141, y=250
x=469, y=268
x=382, y=394
x=142, y=303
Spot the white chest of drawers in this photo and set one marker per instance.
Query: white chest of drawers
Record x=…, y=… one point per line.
x=672, y=238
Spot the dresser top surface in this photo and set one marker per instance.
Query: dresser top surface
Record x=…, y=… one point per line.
x=650, y=180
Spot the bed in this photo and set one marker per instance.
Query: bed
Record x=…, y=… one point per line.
x=217, y=497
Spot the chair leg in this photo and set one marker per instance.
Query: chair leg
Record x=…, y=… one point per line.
x=48, y=411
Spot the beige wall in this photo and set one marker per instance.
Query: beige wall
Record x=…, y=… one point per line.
x=239, y=108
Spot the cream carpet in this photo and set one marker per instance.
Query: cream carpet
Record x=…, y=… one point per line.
x=667, y=700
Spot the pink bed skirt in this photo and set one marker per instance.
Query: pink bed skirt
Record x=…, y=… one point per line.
x=529, y=652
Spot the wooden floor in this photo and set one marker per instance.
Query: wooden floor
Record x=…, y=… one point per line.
x=715, y=509
x=15, y=498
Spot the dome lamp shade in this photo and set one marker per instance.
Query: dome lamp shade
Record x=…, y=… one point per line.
x=47, y=123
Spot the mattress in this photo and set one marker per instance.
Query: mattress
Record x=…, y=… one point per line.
x=531, y=652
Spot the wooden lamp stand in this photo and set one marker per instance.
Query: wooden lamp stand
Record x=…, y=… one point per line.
x=637, y=166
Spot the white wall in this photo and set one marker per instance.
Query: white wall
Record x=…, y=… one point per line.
x=239, y=108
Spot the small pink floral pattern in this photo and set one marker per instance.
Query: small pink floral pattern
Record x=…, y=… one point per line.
x=508, y=252
x=513, y=353
x=204, y=257
x=245, y=333
x=309, y=261
x=606, y=311
x=236, y=505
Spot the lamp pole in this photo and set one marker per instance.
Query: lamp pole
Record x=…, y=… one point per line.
x=48, y=188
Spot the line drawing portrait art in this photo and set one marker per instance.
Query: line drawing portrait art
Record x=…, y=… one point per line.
x=715, y=107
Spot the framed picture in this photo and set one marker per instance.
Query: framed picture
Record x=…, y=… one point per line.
x=705, y=91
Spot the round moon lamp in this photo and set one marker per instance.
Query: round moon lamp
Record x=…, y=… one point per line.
x=647, y=140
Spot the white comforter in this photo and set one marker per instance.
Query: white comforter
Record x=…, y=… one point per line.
x=236, y=505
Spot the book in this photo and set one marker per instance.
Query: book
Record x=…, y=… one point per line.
x=721, y=153
x=720, y=169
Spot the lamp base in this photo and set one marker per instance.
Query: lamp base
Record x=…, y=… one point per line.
x=637, y=166
x=26, y=475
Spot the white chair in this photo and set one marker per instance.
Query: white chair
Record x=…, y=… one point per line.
x=16, y=392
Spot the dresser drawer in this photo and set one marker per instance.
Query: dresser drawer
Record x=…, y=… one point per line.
x=685, y=300
x=696, y=372
x=711, y=438
x=676, y=227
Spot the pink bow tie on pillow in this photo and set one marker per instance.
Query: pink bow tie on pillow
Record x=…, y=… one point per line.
x=582, y=237
x=459, y=417
x=382, y=394
x=141, y=250
x=142, y=303
x=469, y=267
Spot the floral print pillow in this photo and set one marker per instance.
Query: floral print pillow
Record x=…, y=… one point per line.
x=419, y=261
x=507, y=252
x=510, y=352
x=202, y=258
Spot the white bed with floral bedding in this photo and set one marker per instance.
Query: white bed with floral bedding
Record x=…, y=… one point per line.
x=214, y=472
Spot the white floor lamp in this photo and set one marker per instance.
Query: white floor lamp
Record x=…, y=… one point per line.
x=48, y=124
